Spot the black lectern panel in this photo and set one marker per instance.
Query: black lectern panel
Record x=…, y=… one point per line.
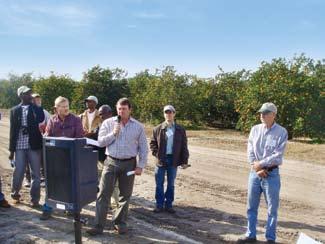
x=70, y=173
x=59, y=174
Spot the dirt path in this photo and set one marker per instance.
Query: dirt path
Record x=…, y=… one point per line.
x=210, y=204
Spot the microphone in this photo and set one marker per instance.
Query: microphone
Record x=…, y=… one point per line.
x=118, y=121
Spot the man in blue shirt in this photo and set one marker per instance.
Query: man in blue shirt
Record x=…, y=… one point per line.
x=169, y=145
x=266, y=144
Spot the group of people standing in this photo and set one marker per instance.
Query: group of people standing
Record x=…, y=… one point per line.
x=124, y=148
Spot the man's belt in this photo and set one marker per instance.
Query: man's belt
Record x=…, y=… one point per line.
x=269, y=169
x=122, y=159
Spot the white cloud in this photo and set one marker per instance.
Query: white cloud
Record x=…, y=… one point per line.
x=41, y=18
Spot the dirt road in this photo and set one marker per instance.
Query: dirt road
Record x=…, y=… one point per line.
x=210, y=204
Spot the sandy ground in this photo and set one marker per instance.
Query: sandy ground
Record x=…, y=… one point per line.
x=210, y=204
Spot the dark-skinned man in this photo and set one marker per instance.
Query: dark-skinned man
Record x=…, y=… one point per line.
x=90, y=118
x=105, y=112
x=25, y=143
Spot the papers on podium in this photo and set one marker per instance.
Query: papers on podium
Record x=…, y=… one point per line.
x=92, y=142
x=304, y=239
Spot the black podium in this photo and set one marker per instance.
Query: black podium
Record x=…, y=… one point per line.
x=71, y=175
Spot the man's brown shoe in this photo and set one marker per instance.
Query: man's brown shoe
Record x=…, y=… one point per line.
x=4, y=204
x=158, y=210
x=94, y=231
x=16, y=199
x=170, y=210
x=246, y=240
x=45, y=215
x=35, y=205
x=121, y=229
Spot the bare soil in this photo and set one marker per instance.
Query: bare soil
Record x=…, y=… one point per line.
x=210, y=199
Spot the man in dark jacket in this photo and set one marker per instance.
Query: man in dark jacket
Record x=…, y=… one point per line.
x=169, y=145
x=25, y=144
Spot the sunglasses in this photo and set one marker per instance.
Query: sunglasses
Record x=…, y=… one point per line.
x=266, y=112
x=168, y=112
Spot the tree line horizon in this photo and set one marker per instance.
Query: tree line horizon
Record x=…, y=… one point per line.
x=228, y=100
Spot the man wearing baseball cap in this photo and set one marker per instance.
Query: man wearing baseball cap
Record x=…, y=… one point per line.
x=266, y=145
x=90, y=118
x=169, y=146
x=25, y=143
x=37, y=100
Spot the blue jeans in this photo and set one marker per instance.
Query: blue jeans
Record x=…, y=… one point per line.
x=22, y=157
x=165, y=198
x=270, y=187
x=1, y=194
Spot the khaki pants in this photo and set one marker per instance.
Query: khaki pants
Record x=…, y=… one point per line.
x=115, y=196
x=114, y=171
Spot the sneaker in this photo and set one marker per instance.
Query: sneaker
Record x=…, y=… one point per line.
x=121, y=229
x=246, y=240
x=170, y=210
x=16, y=199
x=94, y=231
x=4, y=204
x=45, y=215
x=35, y=205
x=158, y=210
x=26, y=183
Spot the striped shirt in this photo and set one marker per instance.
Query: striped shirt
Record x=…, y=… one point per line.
x=23, y=138
x=267, y=145
x=130, y=142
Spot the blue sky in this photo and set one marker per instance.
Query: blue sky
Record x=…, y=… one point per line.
x=195, y=36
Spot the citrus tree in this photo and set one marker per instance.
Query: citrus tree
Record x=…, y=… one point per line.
x=295, y=86
x=53, y=86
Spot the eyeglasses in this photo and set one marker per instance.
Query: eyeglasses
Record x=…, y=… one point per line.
x=266, y=113
x=168, y=112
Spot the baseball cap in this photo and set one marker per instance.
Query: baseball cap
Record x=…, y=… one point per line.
x=36, y=95
x=92, y=98
x=169, y=107
x=22, y=90
x=106, y=107
x=268, y=107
